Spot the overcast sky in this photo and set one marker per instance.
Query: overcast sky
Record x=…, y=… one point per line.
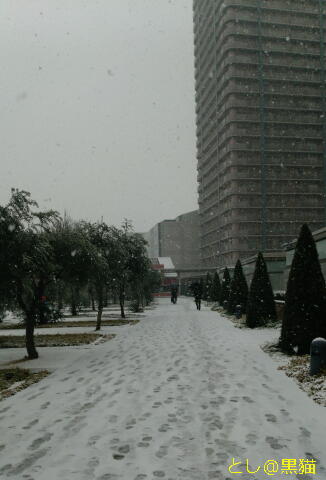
x=97, y=107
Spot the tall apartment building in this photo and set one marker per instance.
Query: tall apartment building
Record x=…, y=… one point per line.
x=261, y=123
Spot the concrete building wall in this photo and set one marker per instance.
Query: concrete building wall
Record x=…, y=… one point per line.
x=261, y=113
x=153, y=243
x=178, y=239
x=320, y=239
x=275, y=263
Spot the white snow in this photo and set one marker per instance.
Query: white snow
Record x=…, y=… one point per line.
x=109, y=313
x=167, y=262
x=63, y=330
x=176, y=396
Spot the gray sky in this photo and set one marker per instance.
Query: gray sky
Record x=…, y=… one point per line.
x=97, y=107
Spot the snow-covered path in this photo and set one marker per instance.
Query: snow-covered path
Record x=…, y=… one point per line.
x=176, y=396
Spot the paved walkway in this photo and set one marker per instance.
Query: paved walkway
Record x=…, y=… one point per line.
x=176, y=396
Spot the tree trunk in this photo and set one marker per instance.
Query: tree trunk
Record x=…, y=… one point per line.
x=30, y=314
x=141, y=298
x=30, y=345
x=60, y=302
x=93, y=303
x=73, y=309
x=73, y=302
x=99, y=308
x=91, y=296
x=106, y=298
x=99, y=317
x=40, y=302
x=59, y=295
x=121, y=301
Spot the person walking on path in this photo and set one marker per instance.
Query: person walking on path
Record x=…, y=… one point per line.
x=198, y=300
x=174, y=294
x=197, y=291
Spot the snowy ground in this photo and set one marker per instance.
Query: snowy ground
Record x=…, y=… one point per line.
x=63, y=330
x=176, y=396
x=112, y=312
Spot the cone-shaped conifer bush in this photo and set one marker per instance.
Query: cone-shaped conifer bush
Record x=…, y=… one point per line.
x=201, y=288
x=305, y=301
x=207, y=287
x=216, y=288
x=261, y=305
x=238, y=290
x=225, y=287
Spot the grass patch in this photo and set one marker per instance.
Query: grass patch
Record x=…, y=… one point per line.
x=57, y=340
x=12, y=380
x=313, y=385
x=71, y=324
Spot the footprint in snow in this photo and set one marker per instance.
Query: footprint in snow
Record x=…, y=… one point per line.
x=305, y=433
x=92, y=440
x=38, y=441
x=270, y=418
x=118, y=456
x=159, y=473
x=274, y=443
x=162, y=452
x=251, y=439
x=248, y=399
x=143, y=444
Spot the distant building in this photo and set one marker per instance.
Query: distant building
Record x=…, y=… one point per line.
x=169, y=276
x=275, y=263
x=260, y=71
x=177, y=239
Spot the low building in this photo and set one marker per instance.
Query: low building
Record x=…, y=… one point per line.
x=169, y=276
x=279, y=263
x=177, y=239
x=275, y=263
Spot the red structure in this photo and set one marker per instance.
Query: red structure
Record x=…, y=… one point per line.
x=169, y=276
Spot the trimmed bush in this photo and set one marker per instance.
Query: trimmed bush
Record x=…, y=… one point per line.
x=216, y=288
x=305, y=300
x=225, y=287
x=261, y=305
x=207, y=287
x=238, y=290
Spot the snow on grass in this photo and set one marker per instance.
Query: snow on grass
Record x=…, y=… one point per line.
x=296, y=368
x=111, y=313
x=69, y=324
x=54, y=340
x=13, y=380
x=314, y=385
x=50, y=358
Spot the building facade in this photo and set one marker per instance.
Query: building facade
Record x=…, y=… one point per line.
x=275, y=263
x=261, y=123
x=178, y=239
x=169, y=276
